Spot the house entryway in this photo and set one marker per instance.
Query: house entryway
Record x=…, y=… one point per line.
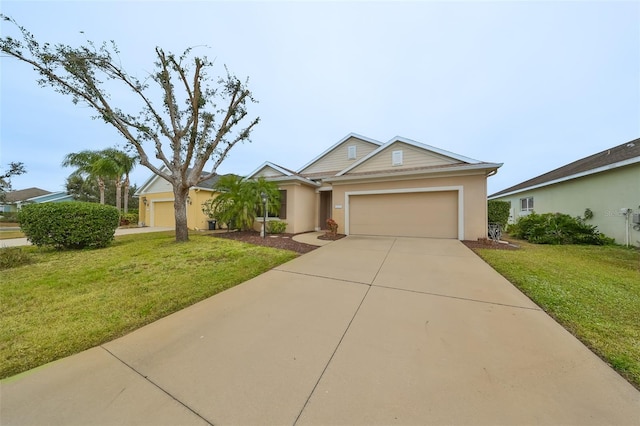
x=326, y=198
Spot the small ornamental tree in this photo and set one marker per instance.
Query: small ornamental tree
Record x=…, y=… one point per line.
x=184, y=117
x=498, y=212
x=69, y=225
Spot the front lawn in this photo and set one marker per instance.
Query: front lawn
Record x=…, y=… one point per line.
x=593, y=291
x=66, y=302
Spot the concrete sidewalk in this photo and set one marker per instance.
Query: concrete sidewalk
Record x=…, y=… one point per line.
x=366, y=330
x=17, y=242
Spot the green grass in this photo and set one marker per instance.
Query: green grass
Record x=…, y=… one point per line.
x=5, y=235
x=593, y=291
x=66, y=302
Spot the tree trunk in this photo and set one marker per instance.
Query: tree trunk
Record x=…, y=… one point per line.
x=101, y=186
x=126, y=195
x=180, y=205
x=119, y=195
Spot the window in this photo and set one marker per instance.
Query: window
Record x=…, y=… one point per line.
x=526, y=204
x=351, y=152
x=283, y=204
x=396, y=158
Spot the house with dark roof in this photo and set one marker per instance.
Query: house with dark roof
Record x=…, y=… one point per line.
x=398, y=188
x=15, y=199
x=606, y=185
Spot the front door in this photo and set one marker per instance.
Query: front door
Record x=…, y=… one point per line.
x=325, y=208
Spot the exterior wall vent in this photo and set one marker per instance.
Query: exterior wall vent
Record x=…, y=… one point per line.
x=351, y=152
x=396, y=158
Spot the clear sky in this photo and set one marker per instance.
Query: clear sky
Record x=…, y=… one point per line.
x=533, y=85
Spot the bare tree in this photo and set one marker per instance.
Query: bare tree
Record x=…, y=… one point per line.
x=14, y=169
x=198, y=130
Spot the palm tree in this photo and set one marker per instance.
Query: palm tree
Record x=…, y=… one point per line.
x=92, y=164
x=124, y=164
x=240, y=200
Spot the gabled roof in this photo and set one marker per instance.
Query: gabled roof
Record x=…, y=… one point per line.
x=341, y=141
x=274, y=166
x=618, y=156
x=25, y=194
x=205, y=184
x=286, y=174
x=413, y=143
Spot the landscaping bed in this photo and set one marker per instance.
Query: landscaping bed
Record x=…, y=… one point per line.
x=281, y=241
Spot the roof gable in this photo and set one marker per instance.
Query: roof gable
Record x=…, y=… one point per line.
x=157, y=183
x=25, y=194
x=270, y=170
x=414, y=155
x=337, y=157
x=618, y=156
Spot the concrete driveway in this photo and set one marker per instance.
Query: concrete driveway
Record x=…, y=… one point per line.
x=365, y=330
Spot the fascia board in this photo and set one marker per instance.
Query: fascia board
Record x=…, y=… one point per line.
x=612, y=166
x=149, y=181
x=273, y=166
x=435, y=149
x=435, y=172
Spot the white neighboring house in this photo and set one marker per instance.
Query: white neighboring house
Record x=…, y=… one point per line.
x=606, y=183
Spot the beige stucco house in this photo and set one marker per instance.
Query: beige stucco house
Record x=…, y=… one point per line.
x=155, y=198
x=398, y=188
x=606, y=183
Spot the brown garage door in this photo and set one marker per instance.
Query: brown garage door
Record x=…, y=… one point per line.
x=163, y=213
x=413, y=214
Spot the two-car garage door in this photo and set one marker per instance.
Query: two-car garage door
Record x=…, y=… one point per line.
x=405, y=214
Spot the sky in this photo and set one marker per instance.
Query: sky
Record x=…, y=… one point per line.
x=533, y=85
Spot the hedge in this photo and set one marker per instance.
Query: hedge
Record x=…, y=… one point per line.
x=69, y=224
x=498, y=212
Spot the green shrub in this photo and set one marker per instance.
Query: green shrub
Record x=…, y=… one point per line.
x=129, y=218
x=498, y=212
x=9, y=217
x=11, y=257
x=71, y=224
x=276, y=226
x=557, y=228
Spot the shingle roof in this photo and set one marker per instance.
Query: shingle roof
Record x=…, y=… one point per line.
x=618, y=154
x=25, y=194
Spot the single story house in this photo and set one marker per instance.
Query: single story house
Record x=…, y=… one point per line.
x=605, y=185
x=155, y=201
x=15, y=199
x=398, y=188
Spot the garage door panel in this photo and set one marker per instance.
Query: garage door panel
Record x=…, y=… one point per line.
x=163, y=213
x=414, y=214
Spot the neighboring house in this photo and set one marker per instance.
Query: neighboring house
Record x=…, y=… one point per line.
x=156, y=203
x=606, y=183
x=15, y=199
x=398, y=188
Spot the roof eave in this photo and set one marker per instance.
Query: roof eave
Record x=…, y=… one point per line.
x=433, y=172
x=601, y=169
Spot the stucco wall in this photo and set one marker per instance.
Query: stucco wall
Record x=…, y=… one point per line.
x=301, y=200
x=474, y=198
x=148, y=216
x=604, y=193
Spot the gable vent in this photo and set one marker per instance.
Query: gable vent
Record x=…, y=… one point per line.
x=351, y=152
x=396, y=158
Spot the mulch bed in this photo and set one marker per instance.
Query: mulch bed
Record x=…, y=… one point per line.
x=286, y=242
x=281, y=241
x=489, y=244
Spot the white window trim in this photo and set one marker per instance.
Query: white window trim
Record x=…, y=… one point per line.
x=458, y=188
x=528, y=209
